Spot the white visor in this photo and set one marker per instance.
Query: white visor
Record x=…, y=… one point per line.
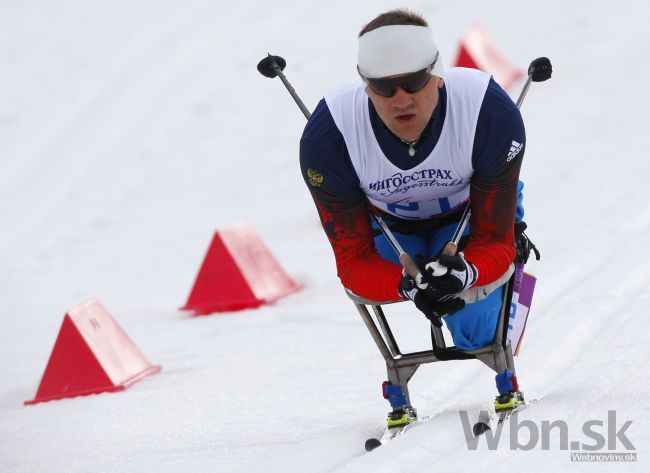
x=397, y=49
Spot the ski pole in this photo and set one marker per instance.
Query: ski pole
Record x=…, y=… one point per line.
x=272, y=66
x=539, y=70
x=404, y=258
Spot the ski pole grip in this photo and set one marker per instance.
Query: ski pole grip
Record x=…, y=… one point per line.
x=450, y=249
x=435, y=268
x=409, y=265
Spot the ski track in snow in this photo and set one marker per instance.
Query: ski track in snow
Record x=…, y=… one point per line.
x=131, y=130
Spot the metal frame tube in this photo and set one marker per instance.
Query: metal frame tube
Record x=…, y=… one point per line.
x=498, y=355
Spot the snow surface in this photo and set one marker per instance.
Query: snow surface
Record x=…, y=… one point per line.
x=131, y=130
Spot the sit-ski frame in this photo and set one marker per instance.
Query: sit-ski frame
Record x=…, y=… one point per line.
x=402, y=366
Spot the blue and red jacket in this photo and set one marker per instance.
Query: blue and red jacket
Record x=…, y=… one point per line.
x=344, y=210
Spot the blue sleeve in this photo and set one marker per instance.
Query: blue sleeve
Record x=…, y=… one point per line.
x=498, y=151
x=500, y=135
x=325, y=162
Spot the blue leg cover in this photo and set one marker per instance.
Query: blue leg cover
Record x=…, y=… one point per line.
x=506, y=382
x=395, y=394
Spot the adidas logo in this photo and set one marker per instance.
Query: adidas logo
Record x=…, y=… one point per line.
x=514, y=150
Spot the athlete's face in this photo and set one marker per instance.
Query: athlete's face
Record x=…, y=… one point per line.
x=406, y=114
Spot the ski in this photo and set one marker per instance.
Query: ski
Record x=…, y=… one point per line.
x=493, y=421
x=391, y=433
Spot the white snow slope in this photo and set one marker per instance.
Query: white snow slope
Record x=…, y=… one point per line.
x=131, y=130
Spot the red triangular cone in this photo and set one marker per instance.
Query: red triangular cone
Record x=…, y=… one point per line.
x=91, y=355
x=238, y=272
x=465, y=59
x=478, y=51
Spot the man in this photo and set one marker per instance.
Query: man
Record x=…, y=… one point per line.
x=416, y=144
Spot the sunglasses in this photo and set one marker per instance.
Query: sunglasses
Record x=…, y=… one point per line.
x=410, y=83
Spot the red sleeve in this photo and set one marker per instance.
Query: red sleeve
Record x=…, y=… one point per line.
x=491, y=245
x=358, y=264
x=343, y=209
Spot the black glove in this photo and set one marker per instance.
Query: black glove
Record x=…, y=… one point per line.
x=447, y=276
x=433, y=309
